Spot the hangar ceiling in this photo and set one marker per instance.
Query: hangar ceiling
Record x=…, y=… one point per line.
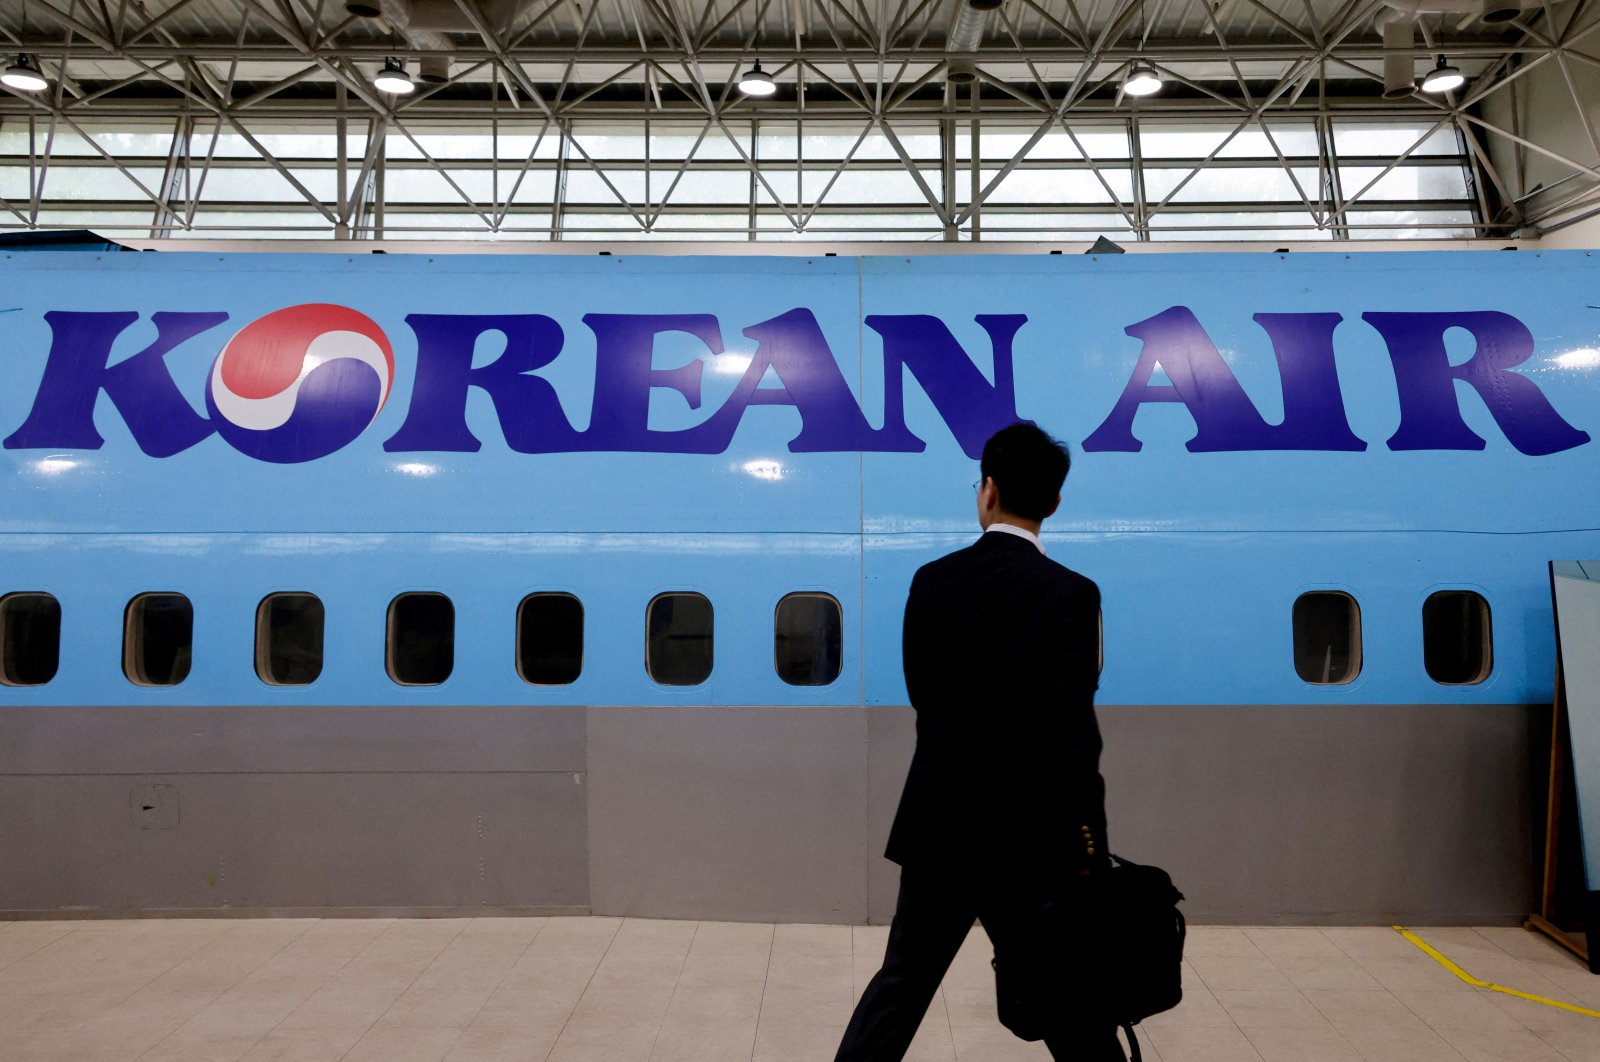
x=962, y=120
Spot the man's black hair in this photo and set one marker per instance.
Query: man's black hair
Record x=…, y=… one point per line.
x=1028, y=467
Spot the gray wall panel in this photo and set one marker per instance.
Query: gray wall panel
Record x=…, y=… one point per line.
x=1299, y=813
x=893, y=736
x=300, y=840
x=153, y=739
x=294, y=807
x=755, y=814
x=1329, y=814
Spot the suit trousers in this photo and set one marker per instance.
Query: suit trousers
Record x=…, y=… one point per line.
x=935, y=911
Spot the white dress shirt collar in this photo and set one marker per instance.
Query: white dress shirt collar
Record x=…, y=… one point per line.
x=1020, y=532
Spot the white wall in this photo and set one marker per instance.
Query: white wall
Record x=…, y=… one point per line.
x=1582, y=234
x=1540, y=107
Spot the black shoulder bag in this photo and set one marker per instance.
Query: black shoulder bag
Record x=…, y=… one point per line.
x=1110, y=946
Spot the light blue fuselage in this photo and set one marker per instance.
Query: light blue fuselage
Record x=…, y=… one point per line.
x=1199, y=555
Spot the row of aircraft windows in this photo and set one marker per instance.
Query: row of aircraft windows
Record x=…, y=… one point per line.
x=158, y=636
x=158, y=628
x=1457, y=638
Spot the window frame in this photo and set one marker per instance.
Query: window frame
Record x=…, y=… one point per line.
x=711, y=666
x=263, y=649
x=60, y=613
x=389, y=640
x=130, y=667
x=1488, y=669
x=583, y=641
x=1358, y=665
x=838, y=607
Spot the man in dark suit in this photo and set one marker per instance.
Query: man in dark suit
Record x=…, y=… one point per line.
x=1004, y=805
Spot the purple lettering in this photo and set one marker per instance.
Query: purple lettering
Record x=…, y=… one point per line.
x=1430, y=418
x=529, y=412
x=973, y=408
x=1313, y=407
x=624, y=377
x=160, y=419
x=1201, y=381
x=793, y=347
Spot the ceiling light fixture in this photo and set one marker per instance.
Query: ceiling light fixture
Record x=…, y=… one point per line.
x=24, y=75
x=757, y=82
x=393, y=79
x=1142, y=80
x=1443, y=78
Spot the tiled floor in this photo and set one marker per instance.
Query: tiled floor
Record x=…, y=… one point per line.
x=615, y=990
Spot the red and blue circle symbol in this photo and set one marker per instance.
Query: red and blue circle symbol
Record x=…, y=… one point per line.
x=300, y=382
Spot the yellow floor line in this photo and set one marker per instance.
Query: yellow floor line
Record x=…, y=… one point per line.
x=1469, y=979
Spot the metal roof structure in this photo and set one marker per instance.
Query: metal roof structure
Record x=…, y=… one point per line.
x=958, y=99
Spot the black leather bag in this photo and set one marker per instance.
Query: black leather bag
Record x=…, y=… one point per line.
x=1108, y=946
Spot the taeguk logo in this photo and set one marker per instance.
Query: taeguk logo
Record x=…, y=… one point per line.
x=300, y=382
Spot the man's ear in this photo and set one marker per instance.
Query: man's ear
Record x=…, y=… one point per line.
x=1053, y=508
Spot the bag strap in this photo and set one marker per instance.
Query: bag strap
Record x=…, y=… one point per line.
x=1133, y=1044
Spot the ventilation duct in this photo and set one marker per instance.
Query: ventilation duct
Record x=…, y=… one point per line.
x=960, y=72
x=433, y=70
x=424, y=23
x=1399, y=56
x=1495, y=12
x=416, y=17
x=972, y=18
x=1396, y=22
x=1471, y=11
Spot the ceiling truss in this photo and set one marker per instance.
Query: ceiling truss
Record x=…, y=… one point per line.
x=1045, y=67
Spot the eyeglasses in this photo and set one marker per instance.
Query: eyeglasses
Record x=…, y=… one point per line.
x=977, y=484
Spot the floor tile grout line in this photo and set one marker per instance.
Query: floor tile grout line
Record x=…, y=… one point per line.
x=201, y=946
x=526, y=947
x=153, y=978
x=170, y=954
x=1213, y=994
x=1529, y=972
x=225, y=990
x=343, y=966
x=4, y=966
x=326, y=980
x=1383, y=988
x=949, y=1023
x=51, y=943
x=1555, y=1047
x=1496, y=946
x=1476, y=991
x=373, y=1024
x=766, y=976
x=674, y=994
x=600, y=962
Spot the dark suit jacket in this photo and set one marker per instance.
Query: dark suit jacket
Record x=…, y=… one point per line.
x=1001, y=648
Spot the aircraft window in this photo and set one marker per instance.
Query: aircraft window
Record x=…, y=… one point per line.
x=157, y=639
x=1457, y=639
x=422, y=639
x=1327, y=638
x=808, y=639
x=550, y=639
x=678, y=639
x=30, y=639
x=289, y=639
